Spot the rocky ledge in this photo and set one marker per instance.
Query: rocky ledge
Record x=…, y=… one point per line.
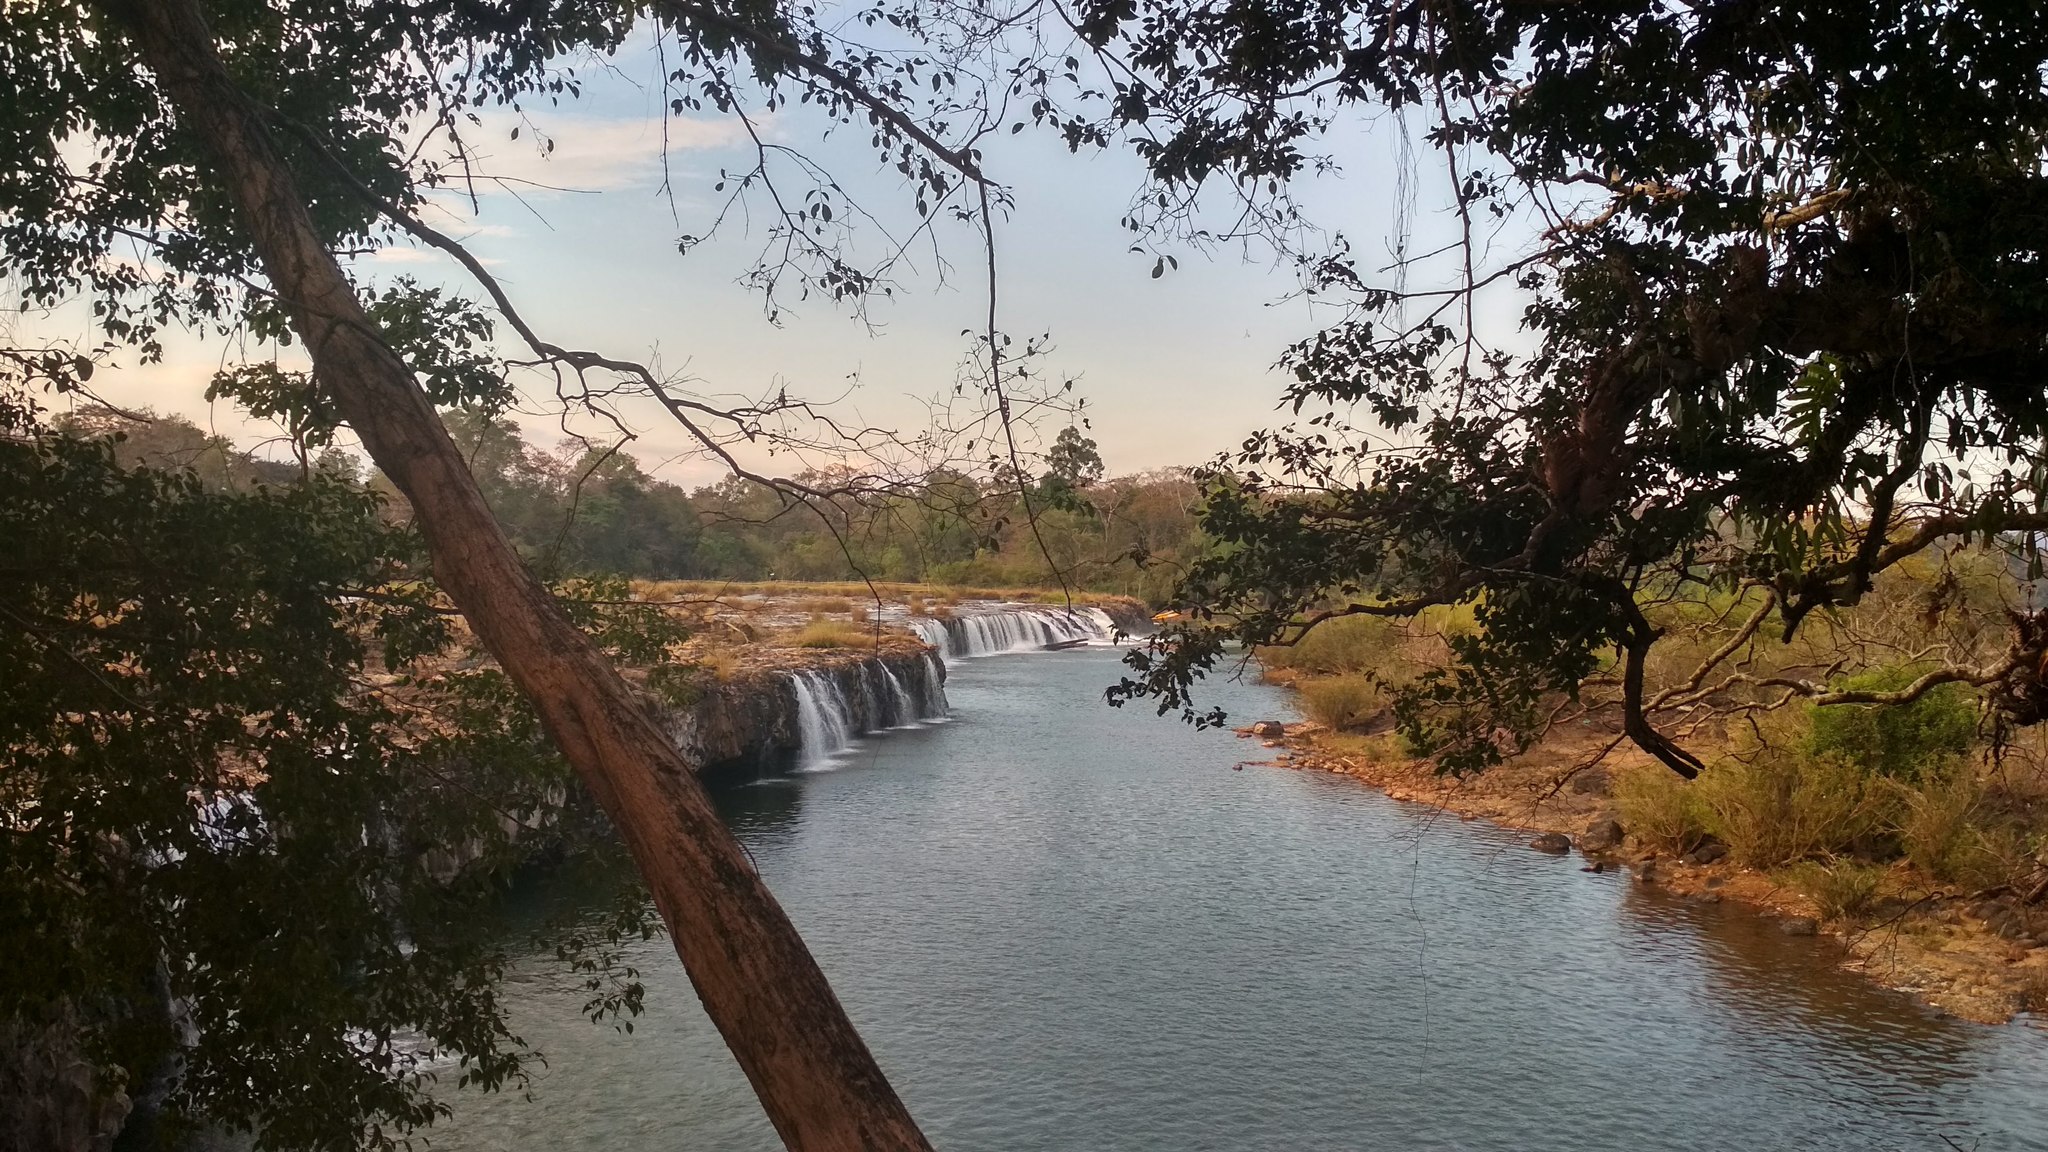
x=783, y=707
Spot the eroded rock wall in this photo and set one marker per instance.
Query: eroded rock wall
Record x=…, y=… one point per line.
x=752, y=719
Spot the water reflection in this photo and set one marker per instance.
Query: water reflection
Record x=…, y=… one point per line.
x=764, y=810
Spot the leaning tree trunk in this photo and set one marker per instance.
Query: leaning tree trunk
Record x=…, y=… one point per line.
x=815, y=1077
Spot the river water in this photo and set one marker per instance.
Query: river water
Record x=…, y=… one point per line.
x=1067, y=928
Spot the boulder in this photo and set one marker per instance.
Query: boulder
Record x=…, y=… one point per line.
x=1594, y=782
x=1603, y=835
x=1798, y=926
x=1706, y=853
x=1269, y=728
x=1554, y=843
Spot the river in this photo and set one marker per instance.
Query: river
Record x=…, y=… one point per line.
x=1068, y=928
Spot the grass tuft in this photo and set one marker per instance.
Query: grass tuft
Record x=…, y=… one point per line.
x=824, y=633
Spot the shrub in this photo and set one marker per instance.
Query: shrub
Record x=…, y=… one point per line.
x=1659, y=809
x=1902, y=741
x=1775, y=805
x=1346, y=644
x=1844, y=888
x=1936, y=830
x=1341, y=702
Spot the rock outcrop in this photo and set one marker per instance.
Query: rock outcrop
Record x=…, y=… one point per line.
x=766, y=717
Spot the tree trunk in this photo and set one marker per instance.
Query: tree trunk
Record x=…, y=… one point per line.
x=816, y=1079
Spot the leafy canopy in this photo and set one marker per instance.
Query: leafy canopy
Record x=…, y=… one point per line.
x=262, y=803
x=1783, y=298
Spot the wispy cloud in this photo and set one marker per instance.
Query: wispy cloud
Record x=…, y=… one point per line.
x=402, y=254
x=588, y=154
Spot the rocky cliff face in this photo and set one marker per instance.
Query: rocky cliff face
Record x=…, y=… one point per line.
x=759, y=718
x=1132, y=617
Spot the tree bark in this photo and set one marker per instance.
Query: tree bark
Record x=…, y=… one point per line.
x=815, y=1076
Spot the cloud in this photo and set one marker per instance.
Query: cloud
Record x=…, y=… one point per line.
x=402, y=254
x=588, y=154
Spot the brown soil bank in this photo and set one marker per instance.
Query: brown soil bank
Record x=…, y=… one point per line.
x=1979, y=955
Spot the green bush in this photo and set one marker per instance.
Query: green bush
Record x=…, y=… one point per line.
x=1346, y=644
x=1659, y=809
x=1340, y=702
x=1902, y=741
x=1776, y=805
x=1844, y=888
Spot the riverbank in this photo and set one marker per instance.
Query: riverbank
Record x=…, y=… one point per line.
x=1979, y=956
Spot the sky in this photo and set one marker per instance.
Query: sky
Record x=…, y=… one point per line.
x=1172, y=369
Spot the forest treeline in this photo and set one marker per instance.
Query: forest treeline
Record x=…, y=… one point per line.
x=580, y=511
x=592, y=511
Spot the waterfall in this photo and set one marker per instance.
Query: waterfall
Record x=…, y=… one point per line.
x=934, y=704
x=820, y=717
x=904, y=711
x=836, y=706
x=1013, y=630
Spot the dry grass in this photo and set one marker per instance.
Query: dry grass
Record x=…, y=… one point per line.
x=1659, y=809
x=1843, y=888
x=1341, y=702
x=1938, y=830
x=721, y=663
x=824, y=633
x=1349, y=644
x=1780, y=805
x=2034, y=991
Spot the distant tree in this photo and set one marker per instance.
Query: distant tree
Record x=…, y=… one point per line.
x=1073, y=460
x=621, y=520
x=173, y=443
x=1072, y=465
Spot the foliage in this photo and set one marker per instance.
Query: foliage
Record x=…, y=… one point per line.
x=1783, y=286
x=1844, y=888
x=1775, y=805
x=256, y=816
x=1940, y=832
x=1660, y=810
x=1910, y=742
x=1341, y=702
x=589, y=512
x=1353, y=644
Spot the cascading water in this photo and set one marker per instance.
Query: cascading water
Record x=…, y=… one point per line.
x=834, y=707
x=1013, y=630
x=820, y=717
x=903, y=709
